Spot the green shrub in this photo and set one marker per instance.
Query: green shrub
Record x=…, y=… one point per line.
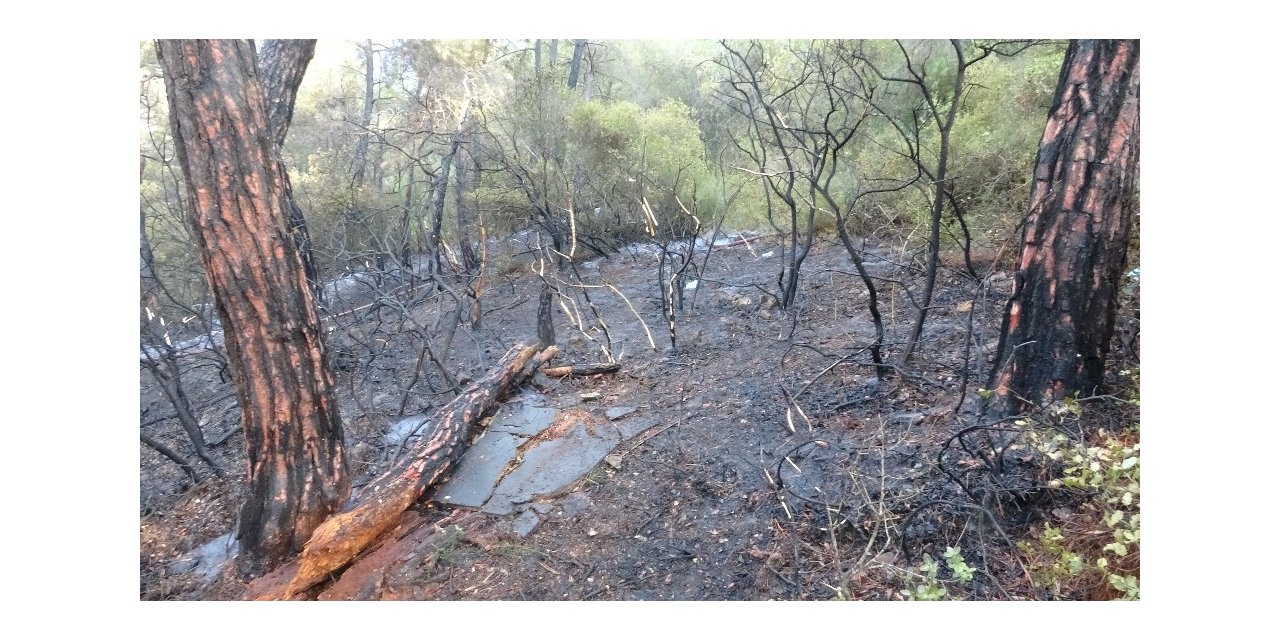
x=1094, y=552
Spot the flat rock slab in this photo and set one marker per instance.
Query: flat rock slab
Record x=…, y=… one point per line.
x=618, y=413
x=478, y=471
x=525, y=420
x=629, y=429
x=552, y=466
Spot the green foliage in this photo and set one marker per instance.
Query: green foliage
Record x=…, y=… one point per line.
x=654, y=124
x=997, y=135
x=928, y=586
x=1100, y=548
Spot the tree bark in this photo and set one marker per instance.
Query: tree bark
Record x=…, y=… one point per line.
x=581, y=370
x=1058, y=323
x=281, y=65
x=346, y=534
x=546, y=326
x=237, y=211
x=579, y=47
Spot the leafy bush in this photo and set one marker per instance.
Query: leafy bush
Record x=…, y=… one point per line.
x=1094, y=552
x=928, y=586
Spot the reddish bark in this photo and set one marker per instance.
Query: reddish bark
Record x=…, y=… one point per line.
x=282, y=64
x=1059, y=322
x=237, y=203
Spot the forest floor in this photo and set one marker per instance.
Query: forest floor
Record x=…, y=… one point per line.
x=735, y=492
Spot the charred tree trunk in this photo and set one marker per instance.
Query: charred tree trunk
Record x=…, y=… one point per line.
x=1058, y=324
x=172, y=455
x=281, y=65
x=437, y=205
x=575, y=63
x=940, y=186
x=237, y=211
x=546, y=327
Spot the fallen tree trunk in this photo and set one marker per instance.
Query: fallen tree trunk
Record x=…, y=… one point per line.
x=578, y=370
x=344, y=535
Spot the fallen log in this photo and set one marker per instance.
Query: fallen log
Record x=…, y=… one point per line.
x=577, y=370
x=344, y=535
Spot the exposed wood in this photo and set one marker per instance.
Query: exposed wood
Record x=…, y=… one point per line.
x=339, y=539
x=579, y=370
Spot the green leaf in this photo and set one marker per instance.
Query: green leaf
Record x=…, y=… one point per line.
x=1129, y=462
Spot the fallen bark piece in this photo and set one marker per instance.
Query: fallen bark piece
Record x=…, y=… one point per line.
x=578, y=370
x=344, y=535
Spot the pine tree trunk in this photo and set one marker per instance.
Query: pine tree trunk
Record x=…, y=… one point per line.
x=1059, y=322
x=237, y=211
x=281, y=65
x=575, y=63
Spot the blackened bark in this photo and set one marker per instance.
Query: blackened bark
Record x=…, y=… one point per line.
x=1058, y=324
x=237, y=211
x=940, y=186
x=437, y=205
x=172, y=455
x=281, y=65
x=546, y=328
x=579, y=47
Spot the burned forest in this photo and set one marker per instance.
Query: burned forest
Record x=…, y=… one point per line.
x=639, y=320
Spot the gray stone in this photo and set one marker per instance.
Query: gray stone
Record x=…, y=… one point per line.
x=552, y=466
x=524, y=420
x=477, y=473
x=542, y=508
x=906, y=418
x=524, y=523
x=208, y=559
x=575, y=503
x=618, y=413
x=629, y=429
x=405, y=428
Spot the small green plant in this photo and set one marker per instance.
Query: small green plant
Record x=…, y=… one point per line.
x=927, y=586
x=963, y=572
x=1097, y=545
